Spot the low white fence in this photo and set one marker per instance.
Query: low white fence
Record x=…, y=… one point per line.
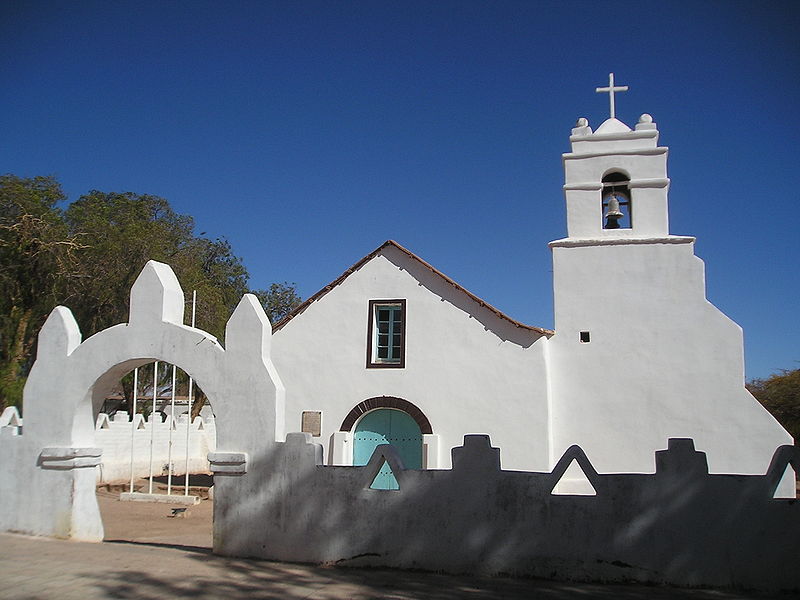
x=118, y=438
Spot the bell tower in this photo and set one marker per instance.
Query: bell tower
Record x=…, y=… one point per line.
x=616, y=178
x=639, y=354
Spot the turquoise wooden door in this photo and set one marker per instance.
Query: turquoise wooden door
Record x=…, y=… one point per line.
x=388, y=426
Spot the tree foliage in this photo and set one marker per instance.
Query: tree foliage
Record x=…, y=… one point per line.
x=37, y=265
x=278, y=300
x=122, y=231
x=780, y=395
x=88, y=256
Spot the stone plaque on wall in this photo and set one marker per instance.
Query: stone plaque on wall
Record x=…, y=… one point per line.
x=312, y=422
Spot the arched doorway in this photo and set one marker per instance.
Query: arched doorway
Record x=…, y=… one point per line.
x=387, y=426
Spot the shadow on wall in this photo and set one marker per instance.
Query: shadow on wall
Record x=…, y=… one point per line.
x=680, y=525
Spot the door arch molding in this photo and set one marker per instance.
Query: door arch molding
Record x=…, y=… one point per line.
x=386, y=402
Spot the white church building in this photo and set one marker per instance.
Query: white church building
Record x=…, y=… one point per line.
x=638, y=355
x=394, y=351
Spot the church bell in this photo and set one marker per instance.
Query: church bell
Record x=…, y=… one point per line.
x=613, y=213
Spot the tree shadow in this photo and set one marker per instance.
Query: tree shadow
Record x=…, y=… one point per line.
x=260, y=580
x=680, y=526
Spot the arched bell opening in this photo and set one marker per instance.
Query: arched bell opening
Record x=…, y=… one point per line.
x=617, y=204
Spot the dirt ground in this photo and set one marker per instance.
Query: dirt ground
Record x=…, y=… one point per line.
x=153, y=522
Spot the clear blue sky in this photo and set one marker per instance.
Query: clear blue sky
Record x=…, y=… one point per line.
x=307, y=133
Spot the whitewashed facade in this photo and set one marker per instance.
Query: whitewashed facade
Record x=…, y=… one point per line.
x=468, y=368
x=639, y=355
x=405, y=345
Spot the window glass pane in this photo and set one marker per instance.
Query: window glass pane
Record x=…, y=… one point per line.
x=383, y=327
x=383, y=314
x=383, y=352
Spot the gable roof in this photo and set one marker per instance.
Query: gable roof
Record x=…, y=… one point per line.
x=391, y=243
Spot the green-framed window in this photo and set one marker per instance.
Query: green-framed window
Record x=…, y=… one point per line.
x=386, y=333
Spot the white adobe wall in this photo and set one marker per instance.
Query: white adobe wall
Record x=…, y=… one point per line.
x=662, y=362
x=464, y=376
x=680, y=526
x=113, y=436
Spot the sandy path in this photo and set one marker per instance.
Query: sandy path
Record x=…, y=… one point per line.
x=152, y=522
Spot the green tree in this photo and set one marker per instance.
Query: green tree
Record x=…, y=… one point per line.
x=278, y=300
x=38, y=265
x=121, y=232
x=210, y=268
x=780, y=395
x=88, y=256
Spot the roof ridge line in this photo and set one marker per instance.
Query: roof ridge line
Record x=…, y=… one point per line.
x=311, y=299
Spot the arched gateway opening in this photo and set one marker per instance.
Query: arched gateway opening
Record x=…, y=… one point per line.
x=70, y=380
x=156, y=428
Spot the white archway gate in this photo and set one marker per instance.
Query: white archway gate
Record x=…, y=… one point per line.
x=47, y=475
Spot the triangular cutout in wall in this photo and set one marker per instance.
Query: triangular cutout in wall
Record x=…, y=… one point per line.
x=385, y=479
x=574, y=482
x=789, y=478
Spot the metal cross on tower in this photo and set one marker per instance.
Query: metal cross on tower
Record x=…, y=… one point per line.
x=611, y=89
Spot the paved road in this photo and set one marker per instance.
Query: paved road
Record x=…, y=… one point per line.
x=39, y=568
